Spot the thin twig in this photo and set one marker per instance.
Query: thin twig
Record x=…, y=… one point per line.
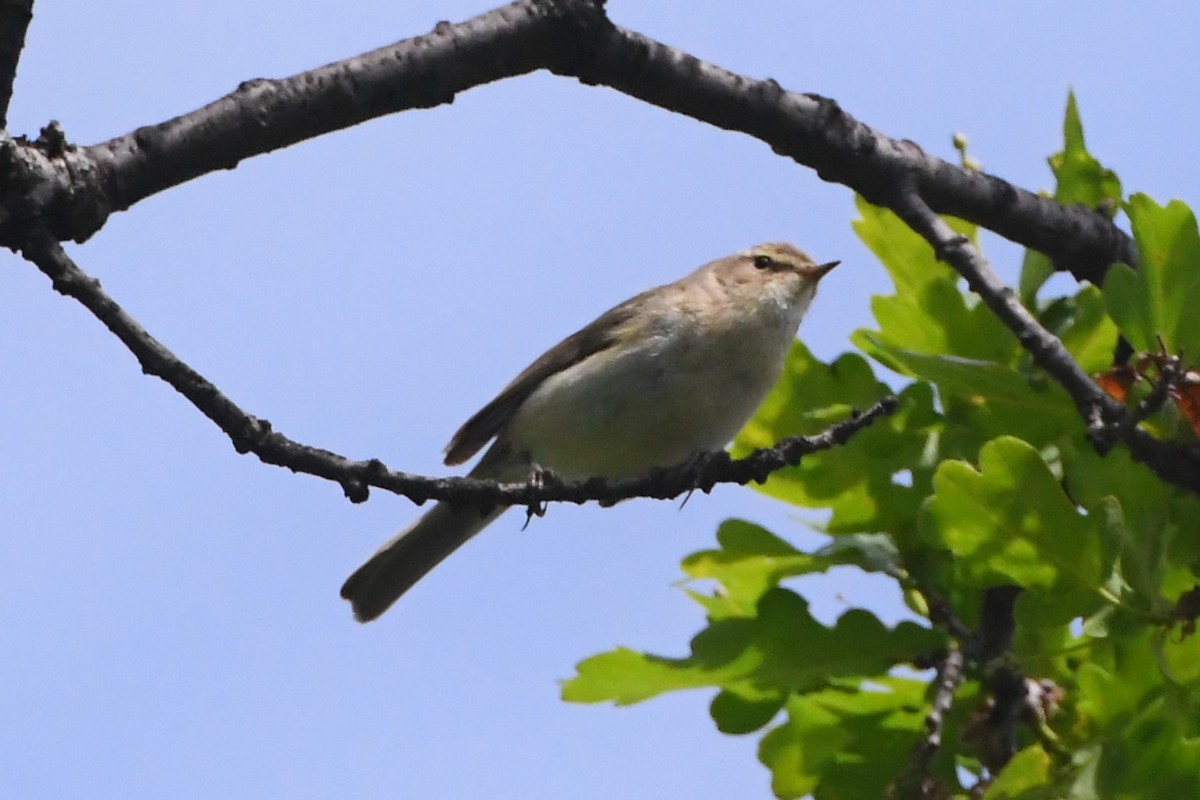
x=949, y=676
x=1102, y=414
x=251, y=434
x=940, y=613
x=918, y=781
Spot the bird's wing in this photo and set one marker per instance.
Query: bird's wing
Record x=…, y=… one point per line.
x=601, y=334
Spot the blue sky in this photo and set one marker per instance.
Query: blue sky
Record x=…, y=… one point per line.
x=169, y=608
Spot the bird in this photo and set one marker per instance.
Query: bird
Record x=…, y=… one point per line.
x=655, y=381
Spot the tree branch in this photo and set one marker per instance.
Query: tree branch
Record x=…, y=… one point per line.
x=263, y=115
x=79, y=189
x=997, y=623
x=918, y=781
x=251, y=434
x=15, y=16
x=816, y=132
x=1104, y=416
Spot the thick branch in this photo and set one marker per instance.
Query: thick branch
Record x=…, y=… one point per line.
x=816, y=132
x=254, y=435
x=568, y=37
x=1104, y=416
x=264, y=115
x=992, y=728
x=15, y=16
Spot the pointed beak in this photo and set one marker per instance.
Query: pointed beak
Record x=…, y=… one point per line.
x=821, y=270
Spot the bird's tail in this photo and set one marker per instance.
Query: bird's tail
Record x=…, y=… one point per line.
x=406, y=559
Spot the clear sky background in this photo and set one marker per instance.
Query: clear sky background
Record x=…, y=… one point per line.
x=169, y=609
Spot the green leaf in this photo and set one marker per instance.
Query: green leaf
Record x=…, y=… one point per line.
x=908, y=258
x=1153, y=531
x=1091, y=335
x=845, y=742
x=1080, y=179
x=928, y=313
x=1024, y=776
x=1011, y=523
x=626, y=677
x=1161, y=297
x=855, y=481
x=808, y=396
x=871, y=552
x=1180, y=659
x=992, y=398
x=736, y=713
x=1148, y=728
x=1131, y=307
x=1085, y=764
x=751, y=560
x=1036, y=269
x=782, y=649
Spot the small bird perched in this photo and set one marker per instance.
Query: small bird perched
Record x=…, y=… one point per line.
x=668, y=374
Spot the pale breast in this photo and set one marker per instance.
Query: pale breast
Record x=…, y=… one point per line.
x=630, y=408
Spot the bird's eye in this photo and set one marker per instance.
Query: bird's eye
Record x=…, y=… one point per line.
x=764, y=262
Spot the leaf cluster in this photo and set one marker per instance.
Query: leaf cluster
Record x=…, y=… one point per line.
x=984, y=478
